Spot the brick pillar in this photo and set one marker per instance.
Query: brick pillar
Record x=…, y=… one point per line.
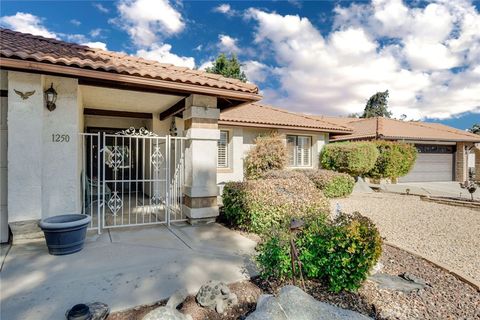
x=476, y=150
x=461, y=163
x=201, y=190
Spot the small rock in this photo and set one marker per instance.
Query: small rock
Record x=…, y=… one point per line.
x=169, y=312
x=389, y=282
x=217, y=296
x=376, y=268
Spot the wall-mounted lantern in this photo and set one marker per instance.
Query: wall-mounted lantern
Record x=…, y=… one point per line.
x=51, y=98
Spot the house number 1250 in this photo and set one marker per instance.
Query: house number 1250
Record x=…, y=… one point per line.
x=57, y=137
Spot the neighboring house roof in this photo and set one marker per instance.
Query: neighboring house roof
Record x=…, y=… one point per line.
x=30, y=52
x=392, y=129
x=259, y=115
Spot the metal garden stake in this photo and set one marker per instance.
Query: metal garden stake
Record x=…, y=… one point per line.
x=296, y=225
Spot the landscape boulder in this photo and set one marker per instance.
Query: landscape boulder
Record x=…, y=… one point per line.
x=293, y=303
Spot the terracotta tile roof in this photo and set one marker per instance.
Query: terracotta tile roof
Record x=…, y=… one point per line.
x=24, y=46
x=258, y=115
x=405, y=130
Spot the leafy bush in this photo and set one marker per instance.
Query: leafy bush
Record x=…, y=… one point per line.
x=354, y=158
x=395, y=159
x=264, y=205
x=340, y=252
x=274, y=257
x=333, y=184
x=269, y=153
x=343, y=252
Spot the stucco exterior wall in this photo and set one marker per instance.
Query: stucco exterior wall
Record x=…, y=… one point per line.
x=45, y=171
x=241, y=139
x=3, y=159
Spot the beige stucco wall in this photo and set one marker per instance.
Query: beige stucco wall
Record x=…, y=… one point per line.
x=3, y=159
x=46, y=173
x=242, y=139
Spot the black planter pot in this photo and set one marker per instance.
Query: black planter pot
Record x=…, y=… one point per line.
x=65, y=234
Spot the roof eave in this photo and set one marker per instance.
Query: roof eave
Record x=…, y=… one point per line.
x=70, y=71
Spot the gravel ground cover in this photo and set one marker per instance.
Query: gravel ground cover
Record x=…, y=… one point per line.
x=445, y=297
x=445, y=234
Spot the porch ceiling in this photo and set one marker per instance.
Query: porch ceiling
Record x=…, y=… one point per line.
x=126, y=100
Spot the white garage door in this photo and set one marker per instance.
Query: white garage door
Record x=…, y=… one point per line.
x=434, y=163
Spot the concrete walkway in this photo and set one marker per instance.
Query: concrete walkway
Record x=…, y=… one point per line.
x=121, y=267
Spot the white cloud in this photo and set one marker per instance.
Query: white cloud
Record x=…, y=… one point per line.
x=226, y=9
x=96, y=44
x=95, y=32
x=101, y=8
x=75, y=22
x=147, y=20
x=205, y=65
x=162, y=53
x=27, y=23
x=228, y=44
x=428, y=58
x=255, y=71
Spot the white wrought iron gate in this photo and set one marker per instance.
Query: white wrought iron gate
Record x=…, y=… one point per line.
x=133, y=177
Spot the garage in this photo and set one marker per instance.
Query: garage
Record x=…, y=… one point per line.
x=434, y=163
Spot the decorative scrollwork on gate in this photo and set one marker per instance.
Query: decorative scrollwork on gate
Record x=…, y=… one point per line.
x=157, y=158
x=114, y=157
x=115, y=203
x=156, y=200
x=142, y=132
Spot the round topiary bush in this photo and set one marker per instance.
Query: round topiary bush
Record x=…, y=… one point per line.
x=354, y=158
x=264, y=205
x=395, y=159
x=269, y=153
x=333, y=184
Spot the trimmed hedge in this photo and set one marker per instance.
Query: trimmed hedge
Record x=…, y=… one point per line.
x=340, y=252
x=354, y=158
x=269, y=153
x=333, y=184
x=395, y=159
x=264, y=205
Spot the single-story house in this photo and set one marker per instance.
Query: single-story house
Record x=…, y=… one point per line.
x=442, y=150
x=304, y=136
x=132, y=142
x=126, y=140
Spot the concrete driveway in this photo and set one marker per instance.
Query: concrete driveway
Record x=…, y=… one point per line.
x=440, y=189
x=122, y=267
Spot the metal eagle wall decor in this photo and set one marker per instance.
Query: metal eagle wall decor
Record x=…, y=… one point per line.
x=25, y=95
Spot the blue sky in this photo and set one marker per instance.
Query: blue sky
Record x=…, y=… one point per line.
x=323, y=57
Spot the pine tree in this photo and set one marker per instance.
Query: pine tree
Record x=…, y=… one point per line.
x=228, y=67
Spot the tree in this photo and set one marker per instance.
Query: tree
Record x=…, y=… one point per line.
x=475, y=128
x=377, y=106
x=228, y=67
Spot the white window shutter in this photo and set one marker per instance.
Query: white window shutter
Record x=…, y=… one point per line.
x=222, y=158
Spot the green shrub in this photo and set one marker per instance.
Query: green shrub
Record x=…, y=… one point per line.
x=264, y=205
x=343, y=252
x=395, y=159
x=340, y=253
x=274, y=257
x=354, y=158
x=333, y=184
x=269, y=153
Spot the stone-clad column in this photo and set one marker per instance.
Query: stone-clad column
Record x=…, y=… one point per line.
x=461, y=163
x=201, y=190
x=476, y=150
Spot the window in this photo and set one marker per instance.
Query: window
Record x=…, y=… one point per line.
x=299, y=151
x=222, y=158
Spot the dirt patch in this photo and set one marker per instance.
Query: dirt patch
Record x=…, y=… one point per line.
x=246, y=291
